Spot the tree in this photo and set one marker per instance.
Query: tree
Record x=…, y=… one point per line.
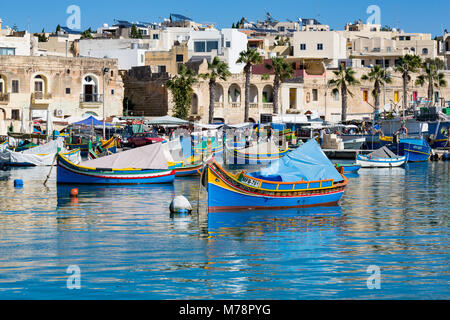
x=432, y=76
x=406, y=65
x=218, y=70
x=58, y=28
x=282, y=71
x=249, y=58
x=386, y=28
x=182, y=91
x=135, y=33
x=42, y=37
x=379, y=77
x=344, y=78
x=86, y=34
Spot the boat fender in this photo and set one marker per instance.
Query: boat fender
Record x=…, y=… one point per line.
x=180, y=205
x=18, y=183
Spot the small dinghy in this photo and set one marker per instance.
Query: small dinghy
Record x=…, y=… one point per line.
x=381, y=158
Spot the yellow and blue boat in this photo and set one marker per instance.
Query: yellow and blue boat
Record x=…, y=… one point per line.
x=146, y=165
x=304, y=178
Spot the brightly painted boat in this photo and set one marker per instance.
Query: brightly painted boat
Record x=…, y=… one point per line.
x=304, y=178
x=146, y=165
x=350, y=168
x=381, y=158
x=438, y=132
x=209, y=148
x=414, y=149
x=262, y=153
x=43, y=155
x=179, y=161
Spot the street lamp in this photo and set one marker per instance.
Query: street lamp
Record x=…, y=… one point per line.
x=105, y=70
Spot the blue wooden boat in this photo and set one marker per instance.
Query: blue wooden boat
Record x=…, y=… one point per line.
x=146, y=165
x=303, y=178
x=350, y=168
x=414, y=149
x=381, y=158
x=438, y=132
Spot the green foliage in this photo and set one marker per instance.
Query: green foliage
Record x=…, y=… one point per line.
x=386, y=28
x=182, y=91
x=135, y=33
x=431, y=75
x=58, y=28
x=379, y=77
x=128, y=106
x=42, y=37
x=87, y=34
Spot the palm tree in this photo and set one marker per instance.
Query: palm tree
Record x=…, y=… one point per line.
x=182, y=91
x=406, y=65
x=379, y=77
x=345, y=78
x=218, y=70
x=431, y=74
x=282, y=71
x=249, y=58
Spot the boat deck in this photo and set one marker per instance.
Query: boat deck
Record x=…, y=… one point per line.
x=345, y=154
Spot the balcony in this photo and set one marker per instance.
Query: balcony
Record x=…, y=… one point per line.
x=254, y=105
x=235, y=104
x=41, y=98
x=268, y=105
x=218, y=104
x=4, y=98
x=91, y=100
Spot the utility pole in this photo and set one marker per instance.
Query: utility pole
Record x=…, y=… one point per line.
x=104, y=71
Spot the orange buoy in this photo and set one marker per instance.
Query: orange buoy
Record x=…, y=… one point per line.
x=74, y=193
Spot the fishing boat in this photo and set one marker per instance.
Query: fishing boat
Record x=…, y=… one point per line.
x=209, y=148
x=381, y=158
x=303, y=178
x=354, y=144
x=183, y=166
x=43, y=155
x=145, y=165
x=414, y=149
x=261, y=153
x=349, y=168
x=438, y=132
x=107, y=148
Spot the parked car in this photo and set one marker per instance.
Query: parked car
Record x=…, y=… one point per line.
x=143, y=139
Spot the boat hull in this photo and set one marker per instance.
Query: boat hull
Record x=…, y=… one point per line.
x=351, y=168
x=188, y=171
x=69, y=173
x=365, y=162
x=224, y=195
x=236, y=157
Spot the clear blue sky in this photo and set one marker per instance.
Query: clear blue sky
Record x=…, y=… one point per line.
x=410, y=15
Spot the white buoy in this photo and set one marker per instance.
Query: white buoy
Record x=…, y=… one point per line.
x=180, y=205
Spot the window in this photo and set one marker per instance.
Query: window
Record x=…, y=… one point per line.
x=401, y=38
x=388, y=49
x=396, y=96
x=212, y=45
x=228, y=44
x=408, y=38
x=303, y=46
x=386, y=63
x=112, y=92
x=15, y=114
x=335, y=94
x=67, y=90
x=38, y=86
x=112, y=73
x=281, y=29
x=161, y=69
x=155, y=36
x=379, y=62
x=7, y=51
x=424, y=51
x=180, y=58
x=15, y=86
x=199, y=46
x=320, y=46
x=315, y=95
x=363, y=63
x=366, y=96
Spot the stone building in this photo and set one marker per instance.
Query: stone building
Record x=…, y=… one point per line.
x=65, y=86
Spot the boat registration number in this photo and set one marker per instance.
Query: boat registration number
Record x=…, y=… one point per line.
x=250, y=182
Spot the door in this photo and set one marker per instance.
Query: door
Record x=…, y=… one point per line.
x=88, y=93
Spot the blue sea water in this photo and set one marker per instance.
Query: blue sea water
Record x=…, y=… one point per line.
x=127, y=245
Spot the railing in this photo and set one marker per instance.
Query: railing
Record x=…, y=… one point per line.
x=41, y=96
x=235, y=104
x=254, y=105
x=268, y=105
x=4, y=97
x=218, y=104
x=91, y=98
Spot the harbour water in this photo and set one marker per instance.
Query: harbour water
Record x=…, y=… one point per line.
x=127, y=245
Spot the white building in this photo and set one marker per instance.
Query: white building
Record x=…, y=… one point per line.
x=129, y=52
x=320, y=45
x=14, y=43
x=226, y=44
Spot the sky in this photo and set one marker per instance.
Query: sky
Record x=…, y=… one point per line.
x=409, y=15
